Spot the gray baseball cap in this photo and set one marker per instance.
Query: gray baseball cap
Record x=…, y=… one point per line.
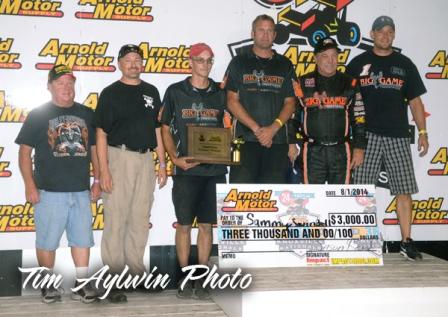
x=381, y=22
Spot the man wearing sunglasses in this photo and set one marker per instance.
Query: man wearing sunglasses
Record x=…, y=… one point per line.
x=196, y=100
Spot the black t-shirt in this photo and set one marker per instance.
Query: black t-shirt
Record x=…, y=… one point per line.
x=61, y=138
x=262, y=84
x=128, y=114
x=387, y=84
x=185, y=105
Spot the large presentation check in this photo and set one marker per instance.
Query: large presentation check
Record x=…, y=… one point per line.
x=297, y=225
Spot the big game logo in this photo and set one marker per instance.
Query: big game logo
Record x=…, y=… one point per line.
x=440, y=59
x=8, y=60
x=424, y=212
x=441, y=157
x=36, y=8
x=119, y=10
x=9, y=113
x=81, y=57
x=169, y=60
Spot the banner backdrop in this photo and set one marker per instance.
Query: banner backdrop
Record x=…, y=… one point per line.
x=87, y=35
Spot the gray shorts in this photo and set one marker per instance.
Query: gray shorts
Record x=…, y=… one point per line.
x=397, y=158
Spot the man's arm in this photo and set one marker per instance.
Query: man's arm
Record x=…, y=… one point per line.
x=418, y=113
x=238, y=111
x=171, y=150
x=26, y=169
x=160, y=150
x=104, y=172
x=95, y=189
x=266, y=134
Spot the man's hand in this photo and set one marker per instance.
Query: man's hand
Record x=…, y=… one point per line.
x=357, y=159
x=423, y=144
x=265, y=135
x=32, y=194
x=183, y=163
x=293, y=152
x=106, y=181
x=161, y=177
x=95, y=192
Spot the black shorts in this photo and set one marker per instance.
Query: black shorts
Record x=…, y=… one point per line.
x=261, y=165
x=195, y=196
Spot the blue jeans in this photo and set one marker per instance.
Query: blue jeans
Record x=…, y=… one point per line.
x=57, y=212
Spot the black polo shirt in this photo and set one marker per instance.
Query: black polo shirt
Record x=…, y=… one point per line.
x=262, y=84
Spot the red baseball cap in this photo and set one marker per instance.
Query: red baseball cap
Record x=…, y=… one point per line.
x=198, y=48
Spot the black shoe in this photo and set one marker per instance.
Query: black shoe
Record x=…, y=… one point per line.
x=141, y=288
x=51, y=294
x=117, y=296
x=187, y=291
x=409, y=250
x=201, y=292
x=86, y=294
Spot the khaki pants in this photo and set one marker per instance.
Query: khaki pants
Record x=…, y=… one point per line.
x=127, y=210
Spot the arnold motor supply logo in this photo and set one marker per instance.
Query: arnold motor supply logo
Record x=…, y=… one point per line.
x=20, y=217
x=118, y=10
x=441, y=157
x=15, y=218
x=168, y=60
x=35, y=8
x=440, y=60
x=8, y=59
x=90, y=57
x=4, y=172
x=301, y=23
x=257, y=201
x=9, y=113
x=424, y=212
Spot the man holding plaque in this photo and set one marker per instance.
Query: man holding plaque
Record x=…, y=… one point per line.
x=194, y=101
x=260, y=95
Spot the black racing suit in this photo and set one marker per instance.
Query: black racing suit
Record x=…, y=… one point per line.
x=331, y=111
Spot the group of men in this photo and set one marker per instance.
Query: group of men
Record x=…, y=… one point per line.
x=348, y=121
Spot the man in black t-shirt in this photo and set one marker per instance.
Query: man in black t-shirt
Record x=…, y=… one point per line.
x=62, y=135
x=389, y=82
x=195, y=101
x=260, y=95
x=127, y=134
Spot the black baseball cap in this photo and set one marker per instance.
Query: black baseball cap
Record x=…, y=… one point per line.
x=381, y=22
x=59, y=71
x=324, y=44
x=129, y=48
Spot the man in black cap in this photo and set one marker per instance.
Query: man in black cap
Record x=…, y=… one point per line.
x=62, y=135
x=389, y=83
x=331, y=111
x=127, y=133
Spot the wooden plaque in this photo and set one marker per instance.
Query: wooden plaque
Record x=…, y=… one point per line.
x=209, y=145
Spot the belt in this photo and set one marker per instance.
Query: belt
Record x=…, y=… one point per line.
x=317, y=142
x=126, y=148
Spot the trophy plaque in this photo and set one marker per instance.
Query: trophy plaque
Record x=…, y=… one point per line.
x=210, y=145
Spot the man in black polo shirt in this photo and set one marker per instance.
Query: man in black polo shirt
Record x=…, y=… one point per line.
x=127, y=133
x=198, y=101
x=260, y=95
